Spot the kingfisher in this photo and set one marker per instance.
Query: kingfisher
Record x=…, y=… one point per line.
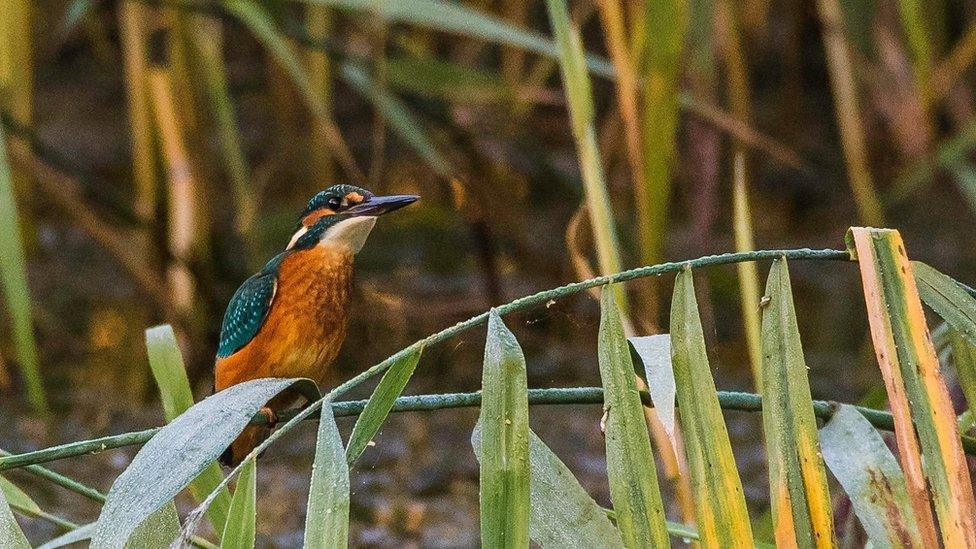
x=289, y=319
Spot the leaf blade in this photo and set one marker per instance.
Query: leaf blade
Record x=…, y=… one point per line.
x=10, y=533
x=327, y=518
x=239, y=529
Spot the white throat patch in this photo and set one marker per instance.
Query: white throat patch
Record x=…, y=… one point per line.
x=349, y=234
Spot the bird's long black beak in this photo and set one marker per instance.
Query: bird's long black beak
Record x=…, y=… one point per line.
x=379, y=205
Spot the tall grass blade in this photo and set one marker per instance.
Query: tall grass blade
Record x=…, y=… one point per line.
x=925, y=425
x=665, y=23
x=562, y=514
x=179, y=452
x=327, y=517
x=459, y=19
x=389, y=388
x=166, y=363
x=17, y=59
x=11, y=536
x=239, y=530
x=947, y=298
x=748, y=274
x=504, y=418
x=723, y=520
x=13, y=276
x=862, y=463
x=801, y=503
x=630, y=462
x=848, y=114
x=579, y=96
x=320, y=24
x=913, y=21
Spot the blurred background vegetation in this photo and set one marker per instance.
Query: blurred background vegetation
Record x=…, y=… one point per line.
x=157, y=153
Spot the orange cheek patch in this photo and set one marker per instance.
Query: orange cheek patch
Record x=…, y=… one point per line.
x=354, y=198
x=311, y=218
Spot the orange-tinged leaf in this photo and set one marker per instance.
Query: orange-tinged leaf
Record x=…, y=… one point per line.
x=925, y=425
x=797, y=481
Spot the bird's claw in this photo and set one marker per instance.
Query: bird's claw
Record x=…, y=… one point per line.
x=271, y=415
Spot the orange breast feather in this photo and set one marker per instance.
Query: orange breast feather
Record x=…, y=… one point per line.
x=306, y=324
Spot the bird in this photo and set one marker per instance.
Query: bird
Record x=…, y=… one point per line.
x=289, y=319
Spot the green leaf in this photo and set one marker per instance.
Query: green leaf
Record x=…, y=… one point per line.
x=77, y=535
x=947, y=298
x=561, y=513
x=655, y=354
x=505, y=476
x=723, y=519
x=13, y=281
x=179, y=452
x=630, y=462
x=159, y=530
x=166, y=363
x=862, y=463
x=327, y=517
x=401, y=120
x=239, y=531
x=459, y=19
x=800, y=500
x=964, y=357
x=17, y=498
x=438, y=78
x=378, y=407
x=11, y=536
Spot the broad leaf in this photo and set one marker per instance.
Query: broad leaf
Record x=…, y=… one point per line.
x=925, y=424
x=11, y=536
x=800, y=500
x=505, y=476
x=562, y=514
x=327, y=516
x=630, y=462
x=723, y=519
x=862, y=463
x=655, y=354
x=378, y=407
x=179, y=452
x=239, y=530
x=166, y=363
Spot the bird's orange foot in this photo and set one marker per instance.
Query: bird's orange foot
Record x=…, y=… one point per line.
x=271, y=415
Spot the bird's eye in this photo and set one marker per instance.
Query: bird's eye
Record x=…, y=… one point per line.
x=334, y=203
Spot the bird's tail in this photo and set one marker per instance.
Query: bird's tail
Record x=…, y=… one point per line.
x=250, y=437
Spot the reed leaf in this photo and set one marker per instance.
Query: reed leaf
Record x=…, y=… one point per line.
x=654, y=353
x=630, y=462
x=561, y=513
x=239, y=529
x=964, y=357
x=925, y=425
x=913, y=22
x=378, y=408
x=327, y=517
x=179, y=452
x=505, y=474
x=11, y=536
x=862, y=463
x=800, y=500
x=77, y=535
x=948, y=299
x=723, y=520
x=166, y=363
x=13, y=279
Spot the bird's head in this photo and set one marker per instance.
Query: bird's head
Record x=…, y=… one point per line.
x=342, y=217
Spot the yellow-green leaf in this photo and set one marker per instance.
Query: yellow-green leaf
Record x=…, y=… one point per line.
x=327, y=516
x=166, y=363
x=11, y=536
x=630, y=462
x=925, y=424
x=947, y=298
x=505, y=453
x=239, y=530
x=862, y=463
x=964, y=357
x=723, y=520
x=800, y=500
x=378, y=407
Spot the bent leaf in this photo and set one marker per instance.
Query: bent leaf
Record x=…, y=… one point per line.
x=239, y=530
x=800, y=500
x=925, y=424
x=327, y=517
x=561, y=513
x=862, y=463
x=179, y=452
x=655, y=354
x=378, y=407
x=505, y=476
x=630, y=462
x=166, y=363
x=11, y=536
x=723, y=520
x=947, y=298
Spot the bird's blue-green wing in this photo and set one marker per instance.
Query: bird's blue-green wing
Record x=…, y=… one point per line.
x=247, y=311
